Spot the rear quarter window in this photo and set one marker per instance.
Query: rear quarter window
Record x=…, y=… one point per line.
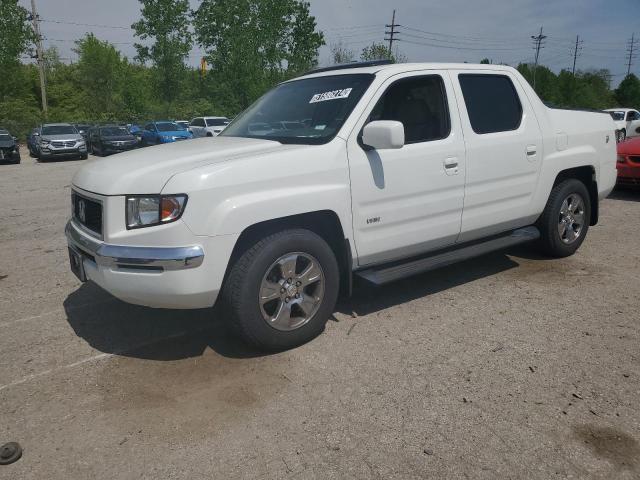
x=492, y=102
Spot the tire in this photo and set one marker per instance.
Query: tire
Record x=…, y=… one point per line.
x=84, y=156
x=563, y=227
x=17, y=160
x=209, y=134
x=304, y=309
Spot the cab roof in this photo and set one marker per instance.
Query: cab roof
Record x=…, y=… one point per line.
x=389, y=70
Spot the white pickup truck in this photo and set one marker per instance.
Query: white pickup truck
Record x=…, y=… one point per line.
x=379, y=171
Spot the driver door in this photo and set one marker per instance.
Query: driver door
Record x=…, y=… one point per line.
x=409, y=200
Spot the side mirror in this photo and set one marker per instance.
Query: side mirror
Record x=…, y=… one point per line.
x=36, y=134
x=383, y=135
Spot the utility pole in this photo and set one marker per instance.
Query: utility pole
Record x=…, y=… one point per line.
x=391, y=33
x=537, y=45
x=576, y=52
x=39, y=56
x=631, y=46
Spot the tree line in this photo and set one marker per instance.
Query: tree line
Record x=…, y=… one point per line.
x=249, y=46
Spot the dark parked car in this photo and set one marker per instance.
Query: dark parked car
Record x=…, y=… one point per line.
x=9, y=149
x=83, y=129
x=33, y=142
x=111, y=139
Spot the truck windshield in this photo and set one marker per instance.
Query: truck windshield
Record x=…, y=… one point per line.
x=59, y=130
x=309, y=111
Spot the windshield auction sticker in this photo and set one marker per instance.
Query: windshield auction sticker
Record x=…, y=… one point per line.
x=333, y=95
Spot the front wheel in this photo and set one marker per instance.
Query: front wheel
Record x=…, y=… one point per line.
x=282, y=290
x=566, y=218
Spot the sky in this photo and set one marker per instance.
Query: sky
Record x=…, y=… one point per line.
x=439, y=31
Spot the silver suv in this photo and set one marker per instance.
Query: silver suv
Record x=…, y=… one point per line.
x=61, y=140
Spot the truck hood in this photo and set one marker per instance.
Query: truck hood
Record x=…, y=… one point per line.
x=147, y=170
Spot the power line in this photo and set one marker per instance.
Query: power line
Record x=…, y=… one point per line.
x=452, y=47
x=61, y=22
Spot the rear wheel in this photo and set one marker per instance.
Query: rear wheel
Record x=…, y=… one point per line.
x=282, y=290
x=565, y=220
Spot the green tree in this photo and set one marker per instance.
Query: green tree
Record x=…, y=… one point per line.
x=16, y=36
x=99, y=71
x=254, y=44
x=340, y=54
x=628, y=92
x=166, y=22
x=379, y=51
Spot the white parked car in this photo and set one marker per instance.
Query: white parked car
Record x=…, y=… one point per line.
x=382, y=172
x=627, y=122
x=208, y=126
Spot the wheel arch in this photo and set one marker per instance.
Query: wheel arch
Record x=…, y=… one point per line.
x=587, y=175
x=324, y=223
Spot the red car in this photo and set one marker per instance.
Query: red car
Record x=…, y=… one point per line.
x=629, y=162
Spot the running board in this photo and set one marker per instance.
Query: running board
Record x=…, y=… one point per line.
x=390, y=272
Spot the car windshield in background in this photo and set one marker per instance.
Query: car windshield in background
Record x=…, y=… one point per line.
x=309, y=111
x=217, y=122
x=169, y=127
x=617, y=116
x=5, y=138
x=114, y=131
x=59, y=130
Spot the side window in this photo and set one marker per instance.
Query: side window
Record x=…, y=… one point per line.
x=420, y=104
x=198, y=122
x=631, y=116
x=149, y=127
x=492, y=103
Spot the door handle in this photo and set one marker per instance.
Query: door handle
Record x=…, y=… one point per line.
x=532, y=150
x=451, y=166
x=451, y=162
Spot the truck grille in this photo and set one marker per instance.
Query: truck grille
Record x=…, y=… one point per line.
x=87, y=213
x=65, y=144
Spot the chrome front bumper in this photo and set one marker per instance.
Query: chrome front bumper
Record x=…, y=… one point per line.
x=154, y=258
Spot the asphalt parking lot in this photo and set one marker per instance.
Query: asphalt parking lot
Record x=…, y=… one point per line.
x=507, y=366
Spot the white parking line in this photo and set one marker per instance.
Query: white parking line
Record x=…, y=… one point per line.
x=95, y=358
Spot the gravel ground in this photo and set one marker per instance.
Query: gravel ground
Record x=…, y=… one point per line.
x=507, y=366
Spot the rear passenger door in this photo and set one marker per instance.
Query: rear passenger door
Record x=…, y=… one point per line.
x=504, y=152
x=409, y=200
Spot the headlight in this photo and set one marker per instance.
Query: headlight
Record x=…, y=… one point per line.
x=149, y=210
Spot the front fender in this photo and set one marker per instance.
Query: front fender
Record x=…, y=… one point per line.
x=227, y=198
